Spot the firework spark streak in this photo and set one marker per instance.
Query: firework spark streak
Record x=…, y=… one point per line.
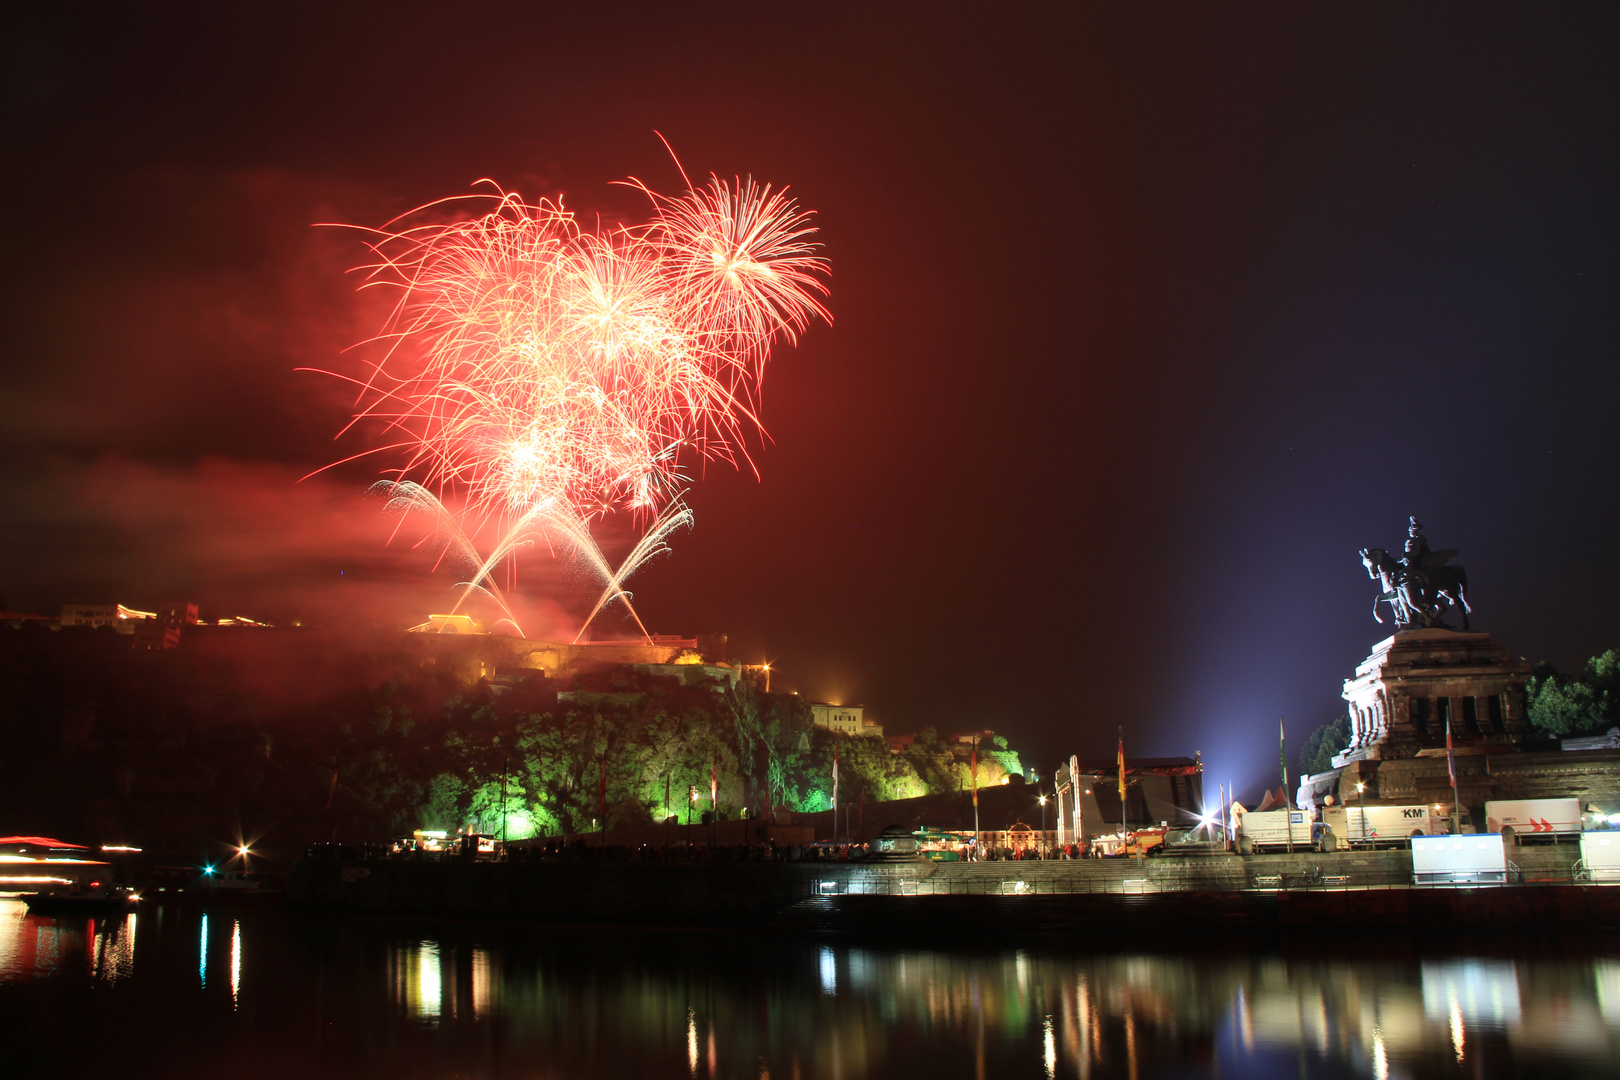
x=540, y=376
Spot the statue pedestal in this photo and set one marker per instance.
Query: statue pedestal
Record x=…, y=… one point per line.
x=1414, y=681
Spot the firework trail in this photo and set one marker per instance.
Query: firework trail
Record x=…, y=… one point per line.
x=540, y=376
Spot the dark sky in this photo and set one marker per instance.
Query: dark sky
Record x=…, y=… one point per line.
x=1146, y=320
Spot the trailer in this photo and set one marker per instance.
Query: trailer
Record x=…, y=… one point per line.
x=1277, y=830
x=1456, y=860
x=1600, y=858
x=1519, y=819
x=1382, y=826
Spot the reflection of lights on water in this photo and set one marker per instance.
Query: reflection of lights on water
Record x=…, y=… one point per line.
x=1050, y=1048
x=1456, y=1030
x=113, y=955
x=691, y=1041
x=1606, y=973
x=236, y=959
x=418, y=985
x=1380, y=1058
x=1482, y=992
x=481, y=996
x=425, y=999
x=202, y=954
x=829, y=971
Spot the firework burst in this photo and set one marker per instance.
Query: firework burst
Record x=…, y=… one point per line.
x=538, y=375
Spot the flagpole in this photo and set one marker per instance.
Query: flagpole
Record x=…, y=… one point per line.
x=1288, y=802
x=1451, y=767
x=975, y=791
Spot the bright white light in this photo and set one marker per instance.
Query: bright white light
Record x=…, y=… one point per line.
x=236, y=960
x=829, y=971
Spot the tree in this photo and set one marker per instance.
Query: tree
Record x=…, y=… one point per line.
x=1562, y=705
x=1316, y=752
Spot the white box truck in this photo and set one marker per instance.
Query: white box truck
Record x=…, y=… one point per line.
x=1272, y=830
x=1518, y=819
x=1472, y=857
x=1383, y=826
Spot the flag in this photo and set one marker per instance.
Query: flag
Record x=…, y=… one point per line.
x=1451, y=762
x=1282, y=744
x=835, y=780
x=975, y=767
x=1451, y=769
x=1122, y=776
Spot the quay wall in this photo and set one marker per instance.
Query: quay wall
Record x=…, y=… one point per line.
x=1301, y=890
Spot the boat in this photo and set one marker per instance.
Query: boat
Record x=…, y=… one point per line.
x=92, y=899
x=186, y=885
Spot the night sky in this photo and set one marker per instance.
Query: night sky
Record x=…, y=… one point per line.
x=1145, y=321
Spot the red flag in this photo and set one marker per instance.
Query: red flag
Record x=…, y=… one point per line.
x=1451, y=763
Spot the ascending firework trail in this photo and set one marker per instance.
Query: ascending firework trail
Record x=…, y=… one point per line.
x=539, y=376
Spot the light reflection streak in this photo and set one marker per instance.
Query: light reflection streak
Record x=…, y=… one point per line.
x=482, y=984
x=429, y=982
x=691, y=1042
x=1049, y=1049
x=202, y=954
x=1606, y=976
x=236, y=960
x=829, y=971
x=1380, y=1056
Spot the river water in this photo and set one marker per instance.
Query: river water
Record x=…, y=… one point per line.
x=183, y=993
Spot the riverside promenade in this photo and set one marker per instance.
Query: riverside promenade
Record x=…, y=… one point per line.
x=1170, y=897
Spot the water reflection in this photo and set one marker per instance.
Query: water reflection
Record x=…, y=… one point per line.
x=383, y=998
x=34, y=949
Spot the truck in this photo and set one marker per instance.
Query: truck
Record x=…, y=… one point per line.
x=1382, y=826
x=1274, y=830
x=1520, y=819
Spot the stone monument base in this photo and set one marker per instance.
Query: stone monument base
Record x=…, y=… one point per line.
x=1416, y=683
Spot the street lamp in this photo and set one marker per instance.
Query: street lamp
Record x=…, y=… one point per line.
x=1043, y=821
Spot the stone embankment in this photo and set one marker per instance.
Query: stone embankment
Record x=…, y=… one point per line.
x=1169, y=896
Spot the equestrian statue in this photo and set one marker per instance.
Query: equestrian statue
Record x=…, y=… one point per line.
x=1419, y=587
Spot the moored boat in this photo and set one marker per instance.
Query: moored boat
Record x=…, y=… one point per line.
x=95, y=898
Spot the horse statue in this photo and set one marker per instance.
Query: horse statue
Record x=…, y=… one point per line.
x=1420, y=588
